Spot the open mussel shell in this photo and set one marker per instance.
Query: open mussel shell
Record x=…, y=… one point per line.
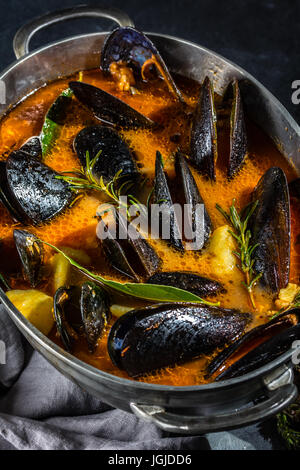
x=33, y=190
x=131, y=255
x=115, y=154
x=131, y=47
x=198, y=285
x=67, y=315
x=31, y=148
x=238, y=134
x=109, y=109
x=257, y=347
x=192, y=198
x=148, y=339
x=203, y=151
x=163, y=198
x=270, y=227
x=80, y=310
x=95, y=314
x=31, y=253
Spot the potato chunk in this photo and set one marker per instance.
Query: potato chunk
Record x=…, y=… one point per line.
x=35, y=306
x=221, y=249
x=286, y=296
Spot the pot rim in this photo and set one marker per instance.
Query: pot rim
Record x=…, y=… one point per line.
x=73, y=361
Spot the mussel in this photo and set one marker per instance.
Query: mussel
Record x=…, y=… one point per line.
x=81, y=309
x=131, y=255
x=148, y=339
x=238, y=134
x=190, y=200
x=115, y=154
x=270, y=229
x=31, y=252
x=109, y=109
x=127, y=46
x=203, y=151
x=164, y=199
x=257, y=347
x=32, y=147
x=30, y=189
x=198, y=285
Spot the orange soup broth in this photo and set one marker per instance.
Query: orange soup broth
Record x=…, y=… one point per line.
x=77, y=226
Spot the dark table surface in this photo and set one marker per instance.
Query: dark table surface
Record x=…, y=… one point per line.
x=259, y=35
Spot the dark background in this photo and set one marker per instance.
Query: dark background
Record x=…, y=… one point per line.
x=259, y=35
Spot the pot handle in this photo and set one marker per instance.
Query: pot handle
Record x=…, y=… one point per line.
x=25, y=33
x=281, y=391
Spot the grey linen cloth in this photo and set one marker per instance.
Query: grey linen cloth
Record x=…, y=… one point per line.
x=41, y=409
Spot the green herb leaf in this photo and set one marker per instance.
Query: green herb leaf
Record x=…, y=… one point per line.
x=54, y=121
x=242, y=236
x=151, y=292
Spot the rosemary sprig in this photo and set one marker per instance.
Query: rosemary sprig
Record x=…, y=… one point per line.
x=242, y=235
x=84, y=180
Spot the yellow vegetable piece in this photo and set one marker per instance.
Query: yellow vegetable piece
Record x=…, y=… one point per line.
x=119, y=310
x=287, y=295
x=221, y=247
x=35, y=306
x=62, y=268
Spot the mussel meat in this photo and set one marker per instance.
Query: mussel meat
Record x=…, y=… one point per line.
x=148, y=339
x=131, y=47
x=198, y=285
x=270, y=229
x=109, y=109
x=81, y=309
x=31, y=253
x=203, y=152
x=257, y=347
x=115, y=154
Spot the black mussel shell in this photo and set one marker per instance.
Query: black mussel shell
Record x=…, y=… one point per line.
x=94, y=306
x=270, y=229
x=192, y=197
x=31, y=252
x=272, y=347
x=163, y=198
x=66, y=305
x=201, y=286
x=203, y=152
x=33, y=190
x=238, y=134
x=108, y=108
x=250, y=340
x=115, y=154
x=132, y=256
x=33, y=147
x=7, y=200
x=148, y=339
x=129, y=46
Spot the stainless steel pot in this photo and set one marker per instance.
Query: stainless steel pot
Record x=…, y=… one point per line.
x=196, y=409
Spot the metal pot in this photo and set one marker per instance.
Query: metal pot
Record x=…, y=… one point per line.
x=195, y=409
